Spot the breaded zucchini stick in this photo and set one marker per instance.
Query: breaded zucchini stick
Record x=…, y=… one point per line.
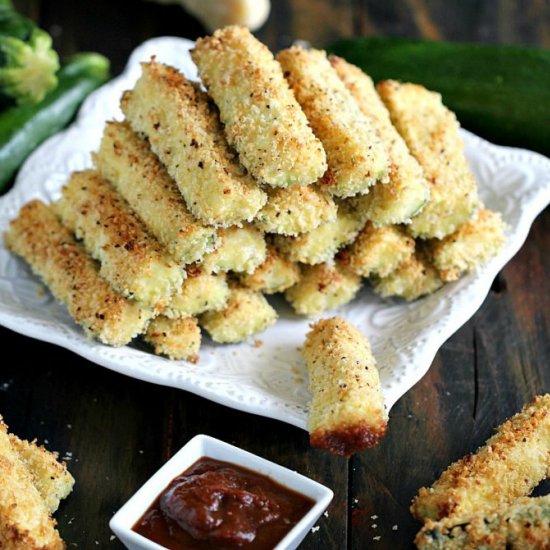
x=178, y=339
x=431, y=133
x=125, y=159
x=131, y=260
x=262, y=118
x=240, y=249
x=510, y=465
x=414, y=278
x=407, y=191
x=25, y=523
x=346, y=413
x=184, y=132
x=322, y=287
x=524, y=525
x=378, y=250
x=355, y=154
x=246, y=313
x=295, y=210
x=49, y=475
x=276, y=274
x=201, y=291
x=471, y=245
x=73, y=277
x=321, y=244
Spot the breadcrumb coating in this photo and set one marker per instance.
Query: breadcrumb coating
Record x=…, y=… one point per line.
x=321, y=244
x=131, y=260
x=295, y=210
x=431, y=132
x=184, y=132
x=322, y=287
x=356, y=156
x=73, y=276
x=125, y=159
x=177, y=339
x=414, y=278
x=470, y=246
x=246, y=313
x=407, y=191
x=510, y=465
x=524, y=525
x=346, y=413
x=261, y=116
x=378, y=250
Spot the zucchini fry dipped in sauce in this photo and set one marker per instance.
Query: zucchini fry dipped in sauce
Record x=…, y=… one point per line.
x=295, y=210
x=356, y=156
x=431, y=132
x=262, y=119
x=524, y=525
x=73, y=276
x=177, y=339
x=404, y=196
x=510, y=465
x=347, y=412
x=246, y=313
x=131, y=260
x=124, y=158
x=184, y=132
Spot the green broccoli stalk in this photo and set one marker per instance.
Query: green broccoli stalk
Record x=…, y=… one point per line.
x=28, y=64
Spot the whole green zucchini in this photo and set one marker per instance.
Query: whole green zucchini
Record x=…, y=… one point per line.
x=23, y=128
x=499, y=92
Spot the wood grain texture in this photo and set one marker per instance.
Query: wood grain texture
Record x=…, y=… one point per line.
x=120, y=430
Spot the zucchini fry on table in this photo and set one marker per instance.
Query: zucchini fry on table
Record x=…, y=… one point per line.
x=131, y=260
x=261, y=116
x=431, y=132
x=176, y=338
x=404, y=196
x=73, y=276
x=184, y=132
x=125, y=159
x=510, y=465
x=355, y=154
x=347, y=411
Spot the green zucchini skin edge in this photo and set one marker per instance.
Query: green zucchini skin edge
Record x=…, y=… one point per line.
x=501, y=93
x=23, y=128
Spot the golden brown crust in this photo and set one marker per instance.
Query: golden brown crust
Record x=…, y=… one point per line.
x=177, y=339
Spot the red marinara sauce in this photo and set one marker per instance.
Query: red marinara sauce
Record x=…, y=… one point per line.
x=215, y=504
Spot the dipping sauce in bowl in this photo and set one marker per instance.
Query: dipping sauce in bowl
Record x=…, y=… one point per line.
x=216, y=504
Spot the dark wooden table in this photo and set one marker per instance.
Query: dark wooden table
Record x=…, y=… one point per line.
x=118, y=431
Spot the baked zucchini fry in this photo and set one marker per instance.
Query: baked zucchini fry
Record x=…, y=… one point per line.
x=73, y=277
x=355, y=154
x=25, y=522
x=240, y=249
x=201, y=291
x=524, y=525
x=262, y=118
x=246, y=313
x=276, y=274
x=295, y=210
x=510, y=465
x=322, y=287
x=49, y=475
x=184, y=132
x=471, y=245
x=321, y=244
x=407, y=191
x=131, y=261
x=414, y=278
x=378, y=250
x=178, y=339
x=346, y=413
x=431, y=132
x=124, y=158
